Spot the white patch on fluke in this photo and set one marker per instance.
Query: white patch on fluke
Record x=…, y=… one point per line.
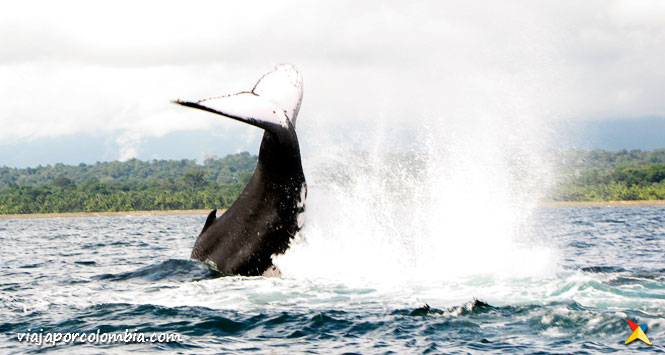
x=283, y=87
x=303, y=196
x=301, y=219
x=275, y=99
x=247, y=107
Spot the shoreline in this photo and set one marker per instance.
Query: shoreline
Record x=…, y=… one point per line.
x=556, y=204
x=602, y=203
x=105, y=214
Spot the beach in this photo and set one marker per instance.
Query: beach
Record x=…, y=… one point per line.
x=104, y=214
x=219, y=211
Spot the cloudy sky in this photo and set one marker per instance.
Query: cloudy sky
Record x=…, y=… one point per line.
x=88, y=81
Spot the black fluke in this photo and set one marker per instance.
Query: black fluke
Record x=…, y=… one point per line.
x=271, y=209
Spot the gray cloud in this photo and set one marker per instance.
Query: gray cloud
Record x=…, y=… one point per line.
x=94, y=67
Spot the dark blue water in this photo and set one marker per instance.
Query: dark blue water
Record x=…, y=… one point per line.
x=117, y=274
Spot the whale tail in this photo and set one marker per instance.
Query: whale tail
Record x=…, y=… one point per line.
x=273, y=103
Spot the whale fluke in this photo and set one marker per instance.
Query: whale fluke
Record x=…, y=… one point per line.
x=271, y=208
x=274, y=101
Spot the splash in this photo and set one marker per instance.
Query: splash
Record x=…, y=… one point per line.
x=458, y=204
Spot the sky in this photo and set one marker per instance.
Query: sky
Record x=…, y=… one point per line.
x=89, y=81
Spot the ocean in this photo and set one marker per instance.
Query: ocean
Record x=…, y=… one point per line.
x=567, y=285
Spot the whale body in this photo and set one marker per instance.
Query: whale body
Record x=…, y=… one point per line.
x=271, y=209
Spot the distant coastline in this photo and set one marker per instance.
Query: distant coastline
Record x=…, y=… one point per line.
x=555, y=204
x=104, y=214
x=584, y=178
x=603, y=203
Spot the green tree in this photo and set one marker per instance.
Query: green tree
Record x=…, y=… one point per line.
x=194, y=179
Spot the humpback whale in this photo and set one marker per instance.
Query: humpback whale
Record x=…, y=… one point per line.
x=271, y=209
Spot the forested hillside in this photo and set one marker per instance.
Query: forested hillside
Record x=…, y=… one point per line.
x=613, y=176
x=125, y=186
x=230, y=169
x=136, y=185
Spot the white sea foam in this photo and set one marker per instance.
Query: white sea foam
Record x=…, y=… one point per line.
x=457, y=207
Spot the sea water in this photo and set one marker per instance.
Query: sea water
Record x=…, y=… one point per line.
x=569, y=284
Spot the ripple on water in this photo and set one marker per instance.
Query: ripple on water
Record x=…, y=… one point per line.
x=103, y=274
